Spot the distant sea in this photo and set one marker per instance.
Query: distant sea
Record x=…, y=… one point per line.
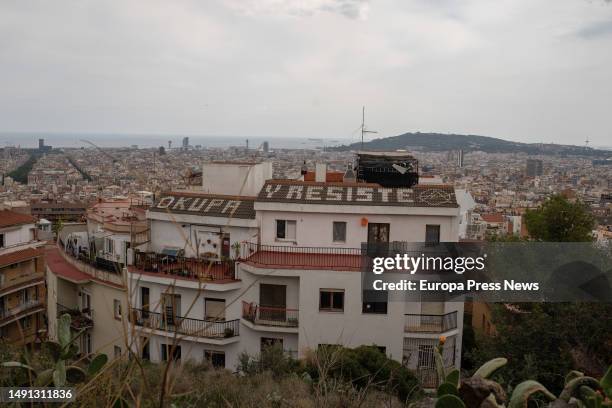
x=30, y=140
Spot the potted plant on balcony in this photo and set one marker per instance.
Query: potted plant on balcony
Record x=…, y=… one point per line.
x=236, y=248
x=228, y=332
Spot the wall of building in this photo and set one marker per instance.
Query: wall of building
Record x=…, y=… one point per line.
x=174, y=234
x=315, y=229
x=235, y=179
x=18, y=235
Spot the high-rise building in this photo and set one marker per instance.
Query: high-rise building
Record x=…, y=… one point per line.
x=186, y=143
x=534, y=167
x=460, y=158
x=22, y=280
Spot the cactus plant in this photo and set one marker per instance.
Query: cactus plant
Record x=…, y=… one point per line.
x=449, y=401
x=61, y=352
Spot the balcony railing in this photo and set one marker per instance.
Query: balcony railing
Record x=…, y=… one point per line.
x=186, y=326
x=269, y=316
x=97, y=268
x=420, y=323
x=190, y=268
x=79, y=319
x=278, y=256
x=22, y=307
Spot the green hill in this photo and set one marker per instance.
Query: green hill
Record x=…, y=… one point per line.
x=444, y=142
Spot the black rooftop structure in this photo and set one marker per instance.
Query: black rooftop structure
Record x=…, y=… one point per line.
x=389, y=169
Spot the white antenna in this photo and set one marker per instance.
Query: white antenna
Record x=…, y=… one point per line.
x=363, y=128
x=586, y=142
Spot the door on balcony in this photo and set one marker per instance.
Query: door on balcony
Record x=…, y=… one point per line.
x=144, y=301
x=431, y=316
x=273, y=302
x=214, y=309
x=171, y=306
x=225, y=246
x=85, y=302
x=378, y=239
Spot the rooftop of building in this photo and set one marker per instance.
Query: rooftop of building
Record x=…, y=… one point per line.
x=10, y=218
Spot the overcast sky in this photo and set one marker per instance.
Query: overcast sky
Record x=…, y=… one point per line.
x=525, y=70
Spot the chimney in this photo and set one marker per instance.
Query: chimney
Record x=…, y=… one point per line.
x=321, y=172
x=349, y=175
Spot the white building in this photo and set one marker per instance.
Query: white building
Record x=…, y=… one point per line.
x=233, y=273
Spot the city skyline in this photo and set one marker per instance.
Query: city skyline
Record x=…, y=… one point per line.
x=514, y=70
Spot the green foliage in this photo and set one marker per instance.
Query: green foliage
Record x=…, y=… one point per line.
x=449, y=401
x=21, y=173
x=558, y=220
x=525, y=390
x=61, y=353
x=548, y=339
x=271, y=359
x=488, y=368
x=365, y=366
x=446, y=389
x=452, y=377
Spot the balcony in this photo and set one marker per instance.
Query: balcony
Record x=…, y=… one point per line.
x=186, y=326
x=21, y=310
x=21, y=282
x=79, y=319
x=420, y=323
x=290, y=257
x=269, y=316
x=187, y=268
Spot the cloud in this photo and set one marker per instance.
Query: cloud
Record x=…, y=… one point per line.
x=595, y=30
x=352, y=9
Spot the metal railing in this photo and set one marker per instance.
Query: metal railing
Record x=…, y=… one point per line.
x=191, y=268
x=22, y=307
x=301, y=257
x=79, y=319
x=421, y=323
x=269, y=316
x=92, y=267
x=184, y=325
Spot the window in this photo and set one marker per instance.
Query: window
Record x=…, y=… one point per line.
x=331, y=300
x=271, y=342
x=26, y=322
x=426, y=356
x=375, y=301
x=168, y=350
x=216, y=358
x=117, y=351
x=171, y=306
x=144, y=301
x=110, y=246
x=432, y=234
x=214, y=309
x=339, y=231
x=117, y=309
x=146, y=351
x=285, y=229
x=2, y=242
x=86, y=344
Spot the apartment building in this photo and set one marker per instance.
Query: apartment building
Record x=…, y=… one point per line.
x=86, y=274
x=280, y=262
x=22, y=280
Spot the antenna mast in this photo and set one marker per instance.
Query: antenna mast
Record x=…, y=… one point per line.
x=363, y=127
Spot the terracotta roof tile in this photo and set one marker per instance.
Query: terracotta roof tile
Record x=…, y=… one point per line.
x=9, y=218
x=59, y=266
x=19, y=256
